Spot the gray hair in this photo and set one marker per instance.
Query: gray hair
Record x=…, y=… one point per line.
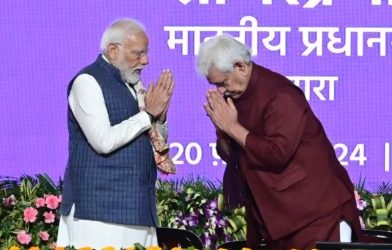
x=118, y=30
x=220, y=53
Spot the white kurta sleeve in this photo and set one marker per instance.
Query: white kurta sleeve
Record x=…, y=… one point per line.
x=88, y=106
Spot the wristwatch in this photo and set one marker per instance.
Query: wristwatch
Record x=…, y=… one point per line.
x=152, y=118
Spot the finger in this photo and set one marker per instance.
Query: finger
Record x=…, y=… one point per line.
x=161, y=84
x=150, y=88
x=167, y=79
x=216, y=100
x=231, y=103
x=208, y=109
x=210, y=100
x=160, y=79
x=218, y=96
x=171, y=88
x=170, y=82
x=210, y=114
x=166, y=107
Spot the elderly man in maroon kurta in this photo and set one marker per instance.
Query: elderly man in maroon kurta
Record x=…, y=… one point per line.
x=280, y=163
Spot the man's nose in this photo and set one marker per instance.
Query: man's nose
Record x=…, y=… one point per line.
x=144, y=59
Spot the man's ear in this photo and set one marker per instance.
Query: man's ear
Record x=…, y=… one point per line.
x=241, y=67
x=112, y=51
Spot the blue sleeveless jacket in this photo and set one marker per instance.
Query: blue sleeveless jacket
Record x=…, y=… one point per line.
x=118, y=187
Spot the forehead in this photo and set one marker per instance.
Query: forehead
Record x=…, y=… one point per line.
x=215, y=76
x=136, y=40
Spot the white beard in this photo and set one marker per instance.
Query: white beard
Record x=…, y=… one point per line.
x=128, y=74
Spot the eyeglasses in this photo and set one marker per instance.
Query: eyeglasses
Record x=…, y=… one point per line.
x=139, y=53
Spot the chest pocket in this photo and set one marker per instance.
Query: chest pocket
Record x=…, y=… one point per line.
x=290, y=179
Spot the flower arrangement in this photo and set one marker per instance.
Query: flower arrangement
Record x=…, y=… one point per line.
x=29, y=211
x=197, y=205
x=375, y=208
x=134, y=247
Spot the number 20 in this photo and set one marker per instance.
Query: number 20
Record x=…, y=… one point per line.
x=188, y=150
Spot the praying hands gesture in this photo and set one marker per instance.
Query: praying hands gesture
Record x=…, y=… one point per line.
x=224, y=116
x=222, y=113
x=158, y=96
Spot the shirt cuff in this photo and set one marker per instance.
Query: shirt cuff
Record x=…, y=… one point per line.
x=144, y=118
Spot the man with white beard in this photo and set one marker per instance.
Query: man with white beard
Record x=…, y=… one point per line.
x=109, y=181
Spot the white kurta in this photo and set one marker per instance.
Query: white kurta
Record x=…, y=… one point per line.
x=96, y=234
x=88, y=106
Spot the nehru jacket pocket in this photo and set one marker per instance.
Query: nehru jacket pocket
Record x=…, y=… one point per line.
x=290, y=179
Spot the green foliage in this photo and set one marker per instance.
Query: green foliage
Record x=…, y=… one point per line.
x=193, y=204
x=17, y=195
x=197, y=205
x=377, y=214
x=375, y=208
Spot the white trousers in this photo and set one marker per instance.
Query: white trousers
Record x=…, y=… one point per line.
x=345, y=232
x=96, y=234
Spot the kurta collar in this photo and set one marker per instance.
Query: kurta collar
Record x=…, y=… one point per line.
x=109, y=68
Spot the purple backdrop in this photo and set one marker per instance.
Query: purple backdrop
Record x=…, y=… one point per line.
x=338, y=51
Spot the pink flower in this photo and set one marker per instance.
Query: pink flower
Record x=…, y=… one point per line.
x=52, y=201
x=30, y=214
x=49, y=217
x=60, y=198
x=361, y=204
x=44, y=235
x=356, y=195
x=39, y=202
x=23, y=237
